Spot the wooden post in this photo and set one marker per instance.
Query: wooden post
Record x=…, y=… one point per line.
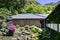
x=58, y=27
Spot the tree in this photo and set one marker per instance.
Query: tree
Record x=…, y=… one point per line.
x=4, y=12
x=33, y=8
x=26, y=6
x=14, y=4
x=48, y=9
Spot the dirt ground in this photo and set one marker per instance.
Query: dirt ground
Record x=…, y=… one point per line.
x=5, y=38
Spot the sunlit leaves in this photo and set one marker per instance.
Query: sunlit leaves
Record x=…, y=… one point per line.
x=4, y=12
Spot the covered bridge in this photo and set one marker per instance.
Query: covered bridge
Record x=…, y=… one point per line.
x=53, y=20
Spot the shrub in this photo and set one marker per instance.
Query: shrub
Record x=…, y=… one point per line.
x=27, y=27
x=34, y=31
x=21, y=28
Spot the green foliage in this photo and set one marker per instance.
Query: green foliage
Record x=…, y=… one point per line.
x=37, y=8
x=34, y=31
x=4, y=12
x=48, y=8
x=32, y=8
x=0, y=27
x=54, y=18
x=14, y=12
x=25, y=6
x=15, y=4
x=53, y=36
x=21, y=28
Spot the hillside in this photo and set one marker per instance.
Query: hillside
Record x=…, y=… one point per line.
x=25, y=6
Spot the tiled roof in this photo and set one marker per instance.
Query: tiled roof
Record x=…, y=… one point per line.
x=29, y=16
x=43, y=15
